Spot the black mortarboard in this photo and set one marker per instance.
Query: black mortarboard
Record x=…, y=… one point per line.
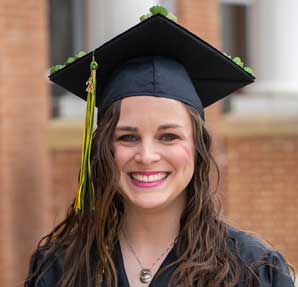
x=213, y=74
x=155, y=57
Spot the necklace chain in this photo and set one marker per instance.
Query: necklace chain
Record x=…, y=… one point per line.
x=146, y=273
x=99, y=273
x=138, y=259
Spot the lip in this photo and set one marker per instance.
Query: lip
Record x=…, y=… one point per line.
x=148, y=172
x=141, y=184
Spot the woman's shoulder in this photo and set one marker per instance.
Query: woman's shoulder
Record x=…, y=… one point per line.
x=45, y=268
x=47, y=264
x=270, y=264
x=247, y=245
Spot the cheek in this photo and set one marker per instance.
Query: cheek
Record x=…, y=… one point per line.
x=186, y=151
x=122, y=155
x=183, y=155
x=189, y=149
x=186, y=165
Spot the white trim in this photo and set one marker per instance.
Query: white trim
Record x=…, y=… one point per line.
x=271, y=87
x=78, y=15
x=236, y=2
x=274, y=104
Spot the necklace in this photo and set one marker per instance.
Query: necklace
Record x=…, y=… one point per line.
x=145, y=274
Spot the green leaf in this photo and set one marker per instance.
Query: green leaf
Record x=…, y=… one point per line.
x=238, y=61
x=145, y=17
x=154, y=10
x=227, y=55
x=52, y=69
x=80, y=54
x=159, y=10
x=70, y=60
x=249, y=70
x=56, y=68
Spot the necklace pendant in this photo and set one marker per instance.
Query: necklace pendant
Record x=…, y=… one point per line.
x=145, y=275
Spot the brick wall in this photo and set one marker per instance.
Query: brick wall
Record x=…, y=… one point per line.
x=65, y=139
x=65, y=166
x=261, y=178
x=24, y=108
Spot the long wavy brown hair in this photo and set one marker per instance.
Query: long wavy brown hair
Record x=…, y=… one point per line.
x=204, y=256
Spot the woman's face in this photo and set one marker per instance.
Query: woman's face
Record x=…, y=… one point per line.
x=154, y=151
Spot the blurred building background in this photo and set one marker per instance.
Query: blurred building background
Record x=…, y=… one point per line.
x=255, y=130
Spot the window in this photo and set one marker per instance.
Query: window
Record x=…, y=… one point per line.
x=66, y=38
x=234, y=20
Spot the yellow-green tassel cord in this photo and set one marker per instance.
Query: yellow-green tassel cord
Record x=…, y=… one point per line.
x=85, y=182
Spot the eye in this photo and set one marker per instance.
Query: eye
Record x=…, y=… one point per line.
x=127, y=138
x=169, y=137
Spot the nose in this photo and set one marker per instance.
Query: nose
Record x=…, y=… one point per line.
x=147, y=153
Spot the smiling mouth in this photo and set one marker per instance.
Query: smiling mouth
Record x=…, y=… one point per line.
x=149, y=178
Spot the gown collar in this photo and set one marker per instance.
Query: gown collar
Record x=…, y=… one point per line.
x=158, y=279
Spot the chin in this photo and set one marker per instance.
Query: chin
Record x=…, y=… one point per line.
x=151, y=202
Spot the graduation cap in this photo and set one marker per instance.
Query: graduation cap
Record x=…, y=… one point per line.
x=156, y=57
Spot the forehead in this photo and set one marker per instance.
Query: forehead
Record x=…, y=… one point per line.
x=152, y=109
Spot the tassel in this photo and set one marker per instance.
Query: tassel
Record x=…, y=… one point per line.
x=85, y=182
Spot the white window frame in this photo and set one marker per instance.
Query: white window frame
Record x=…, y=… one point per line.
x=240, y=2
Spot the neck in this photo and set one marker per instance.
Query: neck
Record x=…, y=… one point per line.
x=153, y=228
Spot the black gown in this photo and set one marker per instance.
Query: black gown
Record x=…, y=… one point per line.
x=251, y=250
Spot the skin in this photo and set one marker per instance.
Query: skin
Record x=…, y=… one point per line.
x=148, y=148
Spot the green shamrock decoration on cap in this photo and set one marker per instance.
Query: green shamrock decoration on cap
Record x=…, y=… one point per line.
x=69, y=60
x=154, y=10
x=239, y=62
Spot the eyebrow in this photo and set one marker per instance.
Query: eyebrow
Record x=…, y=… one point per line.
x=135, y=129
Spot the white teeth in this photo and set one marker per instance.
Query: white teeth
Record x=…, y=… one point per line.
x=149, y=178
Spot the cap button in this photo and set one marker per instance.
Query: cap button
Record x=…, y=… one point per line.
x=93, y=65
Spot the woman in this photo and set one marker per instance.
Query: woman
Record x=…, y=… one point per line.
x=145, y=214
